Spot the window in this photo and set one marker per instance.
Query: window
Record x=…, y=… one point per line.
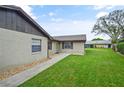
x=67, y=45
x=36, y=45
x=50, y=45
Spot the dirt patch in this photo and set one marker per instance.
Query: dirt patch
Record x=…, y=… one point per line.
x=6, y=73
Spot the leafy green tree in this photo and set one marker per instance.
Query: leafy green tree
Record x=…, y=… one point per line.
x=122, y=36
x=111, y=25
x=97, y=39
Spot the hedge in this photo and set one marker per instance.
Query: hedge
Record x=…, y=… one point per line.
x=120, y=47
x=121, y=40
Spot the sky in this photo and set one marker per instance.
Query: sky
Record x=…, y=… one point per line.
x=60, y=20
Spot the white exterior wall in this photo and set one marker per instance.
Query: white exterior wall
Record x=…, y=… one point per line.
x=78, y=48
x=16, y=48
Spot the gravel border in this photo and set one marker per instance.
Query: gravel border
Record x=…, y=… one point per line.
x=8, y=72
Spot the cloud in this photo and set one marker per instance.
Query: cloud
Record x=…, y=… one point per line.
x=67, y=27
x=56, y=19
x=51, y=14
x=110, y=7
x=75, y=22
x=43, y=15
x=99, y=7
x=100, y=14
x=72, y=27
x=28, y=9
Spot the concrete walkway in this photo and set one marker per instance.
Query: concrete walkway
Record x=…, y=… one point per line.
x=27, y=74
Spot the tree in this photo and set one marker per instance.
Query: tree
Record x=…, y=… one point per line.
x=111, y=25
x=97, y=39
x=122, y=35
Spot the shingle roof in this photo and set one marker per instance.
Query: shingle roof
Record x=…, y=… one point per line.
x=70, y=38
x=99, y=42
x=18, y=9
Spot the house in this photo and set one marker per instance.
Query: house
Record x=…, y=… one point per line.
x=23, y=41
x=98, y=44
x=73, y=44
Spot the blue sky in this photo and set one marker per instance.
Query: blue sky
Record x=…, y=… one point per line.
x=69, y=19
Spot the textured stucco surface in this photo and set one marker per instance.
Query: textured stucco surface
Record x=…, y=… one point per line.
x=16, y=48
x=27, y=74
x=55, y=47
x=78, y=48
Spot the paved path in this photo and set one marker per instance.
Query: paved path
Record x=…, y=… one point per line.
x=27, y=74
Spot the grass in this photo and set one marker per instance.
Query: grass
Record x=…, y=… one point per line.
x=98, y=67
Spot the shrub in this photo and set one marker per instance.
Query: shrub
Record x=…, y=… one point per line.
x=121, y=40
x=120, y=47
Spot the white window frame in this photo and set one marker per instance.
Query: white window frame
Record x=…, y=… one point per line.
x=36, y=45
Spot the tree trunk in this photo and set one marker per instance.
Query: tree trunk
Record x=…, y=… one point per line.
x=114, y=47
x=122, y=35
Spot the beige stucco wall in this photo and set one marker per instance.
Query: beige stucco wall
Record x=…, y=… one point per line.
x=78, y=48
x=101, y=46
x=55, y=48
x=16, y=48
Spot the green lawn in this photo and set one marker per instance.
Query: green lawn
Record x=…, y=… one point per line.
x=98, y=67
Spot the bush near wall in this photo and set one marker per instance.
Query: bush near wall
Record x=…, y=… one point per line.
x=120, y=47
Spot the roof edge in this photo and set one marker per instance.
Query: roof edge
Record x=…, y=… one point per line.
x=19, y=9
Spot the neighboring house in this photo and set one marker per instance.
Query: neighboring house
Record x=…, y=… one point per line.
x=73, y=44
x=98, y=44
x=23, y=41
